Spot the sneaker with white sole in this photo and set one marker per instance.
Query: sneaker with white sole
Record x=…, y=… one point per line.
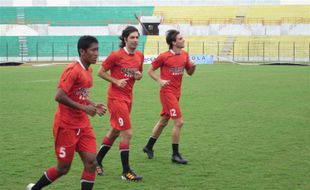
x=131, y=176
x=99, y=170
x=29, y=186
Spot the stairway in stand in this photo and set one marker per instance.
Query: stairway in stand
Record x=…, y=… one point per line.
x=22, y=40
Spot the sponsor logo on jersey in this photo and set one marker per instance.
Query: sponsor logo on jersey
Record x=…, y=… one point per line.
x=176, y=70
x=82, y=93
x=129, y=72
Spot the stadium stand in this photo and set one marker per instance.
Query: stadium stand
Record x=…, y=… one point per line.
x=193, y=44
x=199, y=15
x=53, y=30
x=278, y=12
x=8, y=15
x=233, y=32
x=74, y=16
x=8, y=46
x=272, y=47
x=55, y=47
x=240, y=48
x=204, y=15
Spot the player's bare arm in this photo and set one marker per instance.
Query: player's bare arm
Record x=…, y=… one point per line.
x=192, y=69
x=100, y=107
x=106, y=76
x=63, y=98
x=155, y=77
x=102, y=73
x=91, y=102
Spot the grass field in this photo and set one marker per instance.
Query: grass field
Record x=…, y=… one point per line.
x=246, y=127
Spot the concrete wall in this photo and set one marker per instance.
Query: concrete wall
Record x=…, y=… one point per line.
x=144, y=2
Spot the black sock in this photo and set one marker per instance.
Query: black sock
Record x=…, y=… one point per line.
x=87, y=185
x=102, y=152
x=151, y=143
x=125, y=160
x=43, y=181
x=175, y=149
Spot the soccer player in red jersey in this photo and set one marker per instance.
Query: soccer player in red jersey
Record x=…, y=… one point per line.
x=172, y=64
x=72, y=128
x=125, y=66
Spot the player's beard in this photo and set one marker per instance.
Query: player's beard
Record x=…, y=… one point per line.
x=135, y=45
x=181, y=45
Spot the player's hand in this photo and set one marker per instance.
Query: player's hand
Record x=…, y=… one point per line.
x=137, y=75
x=100, y=109
x=193, y=65
x=90, y=109
x=121, y=82
x=192, y=69
x=163, y=83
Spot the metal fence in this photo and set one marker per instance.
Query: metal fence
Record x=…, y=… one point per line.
x=221, y=51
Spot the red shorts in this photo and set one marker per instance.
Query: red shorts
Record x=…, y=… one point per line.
x=170, y=106
x=68, y=140
x=119, y=114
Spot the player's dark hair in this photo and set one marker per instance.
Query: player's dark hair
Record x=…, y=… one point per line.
x=85, y=42
x=171, y=36
x=126, y=32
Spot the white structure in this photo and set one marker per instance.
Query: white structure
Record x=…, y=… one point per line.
x=116, y=29
x=145, y=2
x=77, y=31
x=185, y=29
x=26, y=31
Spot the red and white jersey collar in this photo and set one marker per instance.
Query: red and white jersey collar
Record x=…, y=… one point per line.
x=174, y=53
x=80, y=62
x=126, y=50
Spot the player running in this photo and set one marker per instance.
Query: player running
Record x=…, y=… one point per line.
x=172, y=64
x=125, y=66
x=72, y=128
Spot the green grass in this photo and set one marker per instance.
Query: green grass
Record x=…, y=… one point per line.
x=246, y=127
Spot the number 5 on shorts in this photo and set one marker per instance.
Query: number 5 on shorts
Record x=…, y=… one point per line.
x=62, y=152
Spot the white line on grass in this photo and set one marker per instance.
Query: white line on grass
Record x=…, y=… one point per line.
x=37, y=81
x=43, y=81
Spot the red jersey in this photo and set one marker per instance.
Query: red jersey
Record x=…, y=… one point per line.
x=172, y=68
x=123, y=65
x=75, y=81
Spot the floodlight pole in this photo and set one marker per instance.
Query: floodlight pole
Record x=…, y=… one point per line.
x=37, y=51
x=7, y=51
x=248, y=51
x=53, y=51
x=218, y=51
x=294, y=56
x=158, y=47
x=143, y=48
x=203, y=48
x=233, y=51
x=21, y=52
x=68, y=51
x=263, y=51
x=278, y=51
